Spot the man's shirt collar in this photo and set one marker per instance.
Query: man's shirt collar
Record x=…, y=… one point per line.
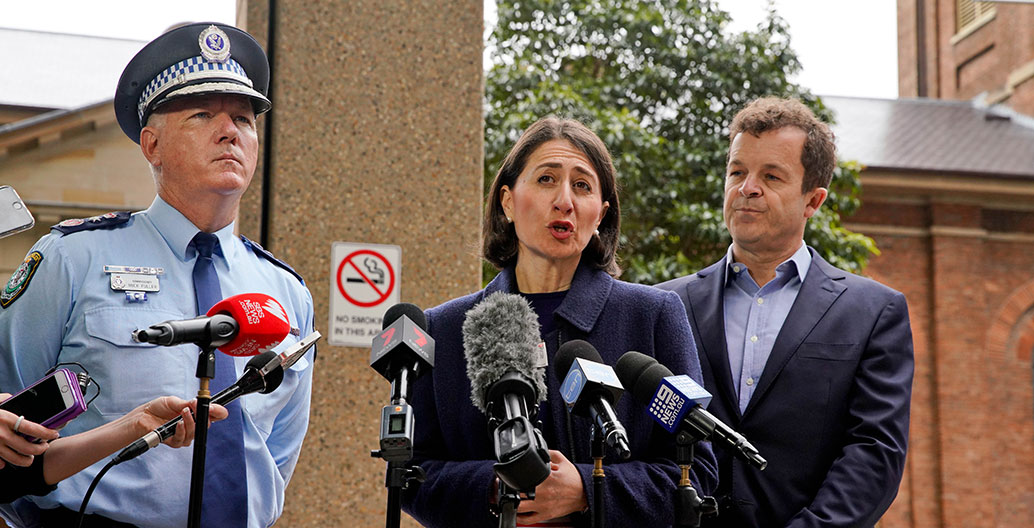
x=178, y=231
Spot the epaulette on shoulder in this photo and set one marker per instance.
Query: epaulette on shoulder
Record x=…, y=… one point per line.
x=261, y=251
x=104, y=221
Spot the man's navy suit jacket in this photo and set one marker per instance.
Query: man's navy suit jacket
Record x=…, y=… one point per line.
x=830, y=412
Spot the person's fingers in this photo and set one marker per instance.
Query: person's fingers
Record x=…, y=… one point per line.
x=35, y=430
x=183, y=432
x=16, y=448
x=526, y=506
x=217, y=412
x=556, y=457
x=14, y=457
x=166, y=407
x=189, y=426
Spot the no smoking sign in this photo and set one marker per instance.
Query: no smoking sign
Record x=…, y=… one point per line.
x=364, y=284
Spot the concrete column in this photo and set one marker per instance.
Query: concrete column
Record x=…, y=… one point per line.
x=377, y=138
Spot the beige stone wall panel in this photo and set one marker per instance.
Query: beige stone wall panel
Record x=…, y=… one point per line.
x=377, y=138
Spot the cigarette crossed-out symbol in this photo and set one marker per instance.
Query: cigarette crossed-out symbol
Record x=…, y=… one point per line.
x=371, y=266
x=372, y=270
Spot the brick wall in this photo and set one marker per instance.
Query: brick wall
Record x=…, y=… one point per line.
x=968, y=274
x=993, y=58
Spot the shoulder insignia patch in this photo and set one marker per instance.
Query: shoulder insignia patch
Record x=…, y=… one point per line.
x=261, y=251
x=20, y=279
x=104, y=221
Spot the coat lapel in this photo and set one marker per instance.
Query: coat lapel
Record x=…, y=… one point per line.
x=821, y=288
x=590, y=289
x=707, y=311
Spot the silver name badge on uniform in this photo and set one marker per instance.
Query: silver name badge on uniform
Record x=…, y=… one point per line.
x=134, y=282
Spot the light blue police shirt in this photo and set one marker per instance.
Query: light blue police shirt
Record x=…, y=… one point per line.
x=68, y=312
x=754, y=315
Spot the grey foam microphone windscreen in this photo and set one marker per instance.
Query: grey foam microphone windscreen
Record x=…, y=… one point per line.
x=501, y=334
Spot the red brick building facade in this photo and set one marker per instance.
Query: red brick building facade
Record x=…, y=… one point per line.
x=963, y=254
x=948, y=195
x=962, y=49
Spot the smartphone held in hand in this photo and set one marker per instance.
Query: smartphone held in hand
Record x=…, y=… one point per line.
x=51, y=402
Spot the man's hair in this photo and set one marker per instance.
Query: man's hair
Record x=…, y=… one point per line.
x=819, y=155
x=499, y=239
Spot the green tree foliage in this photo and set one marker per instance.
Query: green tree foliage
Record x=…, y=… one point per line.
x=659, y=81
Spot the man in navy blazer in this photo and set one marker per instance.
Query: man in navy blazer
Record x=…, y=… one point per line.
x=811, y=364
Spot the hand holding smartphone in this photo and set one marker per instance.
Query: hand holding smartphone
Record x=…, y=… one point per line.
x=51, y=402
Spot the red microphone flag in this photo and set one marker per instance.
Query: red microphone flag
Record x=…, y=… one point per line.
x=263, y=323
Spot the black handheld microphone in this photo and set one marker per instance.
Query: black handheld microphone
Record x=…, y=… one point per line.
x=401, y=352
x=676, y=402
x=242, y=325
x=590, y=388
x=214, y=331
x=403, y=348
x=262, y=374
x=506, y=366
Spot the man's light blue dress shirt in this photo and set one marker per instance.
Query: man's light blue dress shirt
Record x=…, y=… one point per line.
x=755, y=314
x=69, y=313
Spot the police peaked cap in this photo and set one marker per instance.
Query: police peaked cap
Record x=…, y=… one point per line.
x=197, y=59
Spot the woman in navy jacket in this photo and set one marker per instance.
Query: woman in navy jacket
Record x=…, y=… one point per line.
x=551, y=225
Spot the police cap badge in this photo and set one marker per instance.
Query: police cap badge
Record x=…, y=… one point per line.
x=196, y=59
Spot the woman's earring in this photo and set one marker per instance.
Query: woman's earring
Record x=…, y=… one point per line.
x=509, y=220
x=596, y=232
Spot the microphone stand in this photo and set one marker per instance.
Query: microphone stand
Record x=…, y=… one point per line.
x=520, y=450
x=397, y=448
x=689, y=506
x=205, y=373
x=596, y=441
x=507, y=500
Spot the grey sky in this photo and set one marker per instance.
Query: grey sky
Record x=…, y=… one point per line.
x=847, y=47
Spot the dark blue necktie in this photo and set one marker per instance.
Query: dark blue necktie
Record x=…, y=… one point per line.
x=225, y=502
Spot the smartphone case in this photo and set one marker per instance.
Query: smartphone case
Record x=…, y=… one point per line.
x=78, y=404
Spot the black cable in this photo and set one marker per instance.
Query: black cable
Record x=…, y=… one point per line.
x=89, y=492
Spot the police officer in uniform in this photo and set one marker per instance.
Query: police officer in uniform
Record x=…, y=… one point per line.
x=190, y=99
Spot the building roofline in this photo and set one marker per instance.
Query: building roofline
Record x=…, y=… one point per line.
x=934, y=136
x=66, y=34
x=953, y=172
x=30, y=133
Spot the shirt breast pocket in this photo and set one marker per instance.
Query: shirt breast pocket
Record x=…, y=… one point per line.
x=131, y=373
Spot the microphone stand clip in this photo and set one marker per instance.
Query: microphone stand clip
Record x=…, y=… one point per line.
x=690, y=507
x=398, y=476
